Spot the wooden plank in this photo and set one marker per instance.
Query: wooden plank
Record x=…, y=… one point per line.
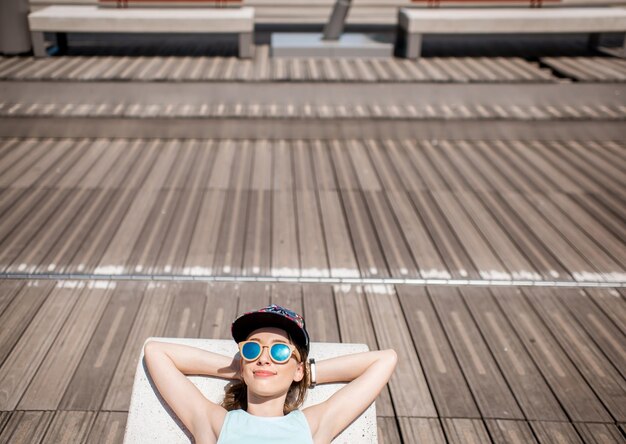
x=220, y=310
x=253, y=296
x=19, y=313
x=417, y=155
x=77, y=228
x=599, y=433
x=355, y=325
x=151, y=239
x=261, y=179
x=597, y=325
x=288, y=296
x=572, y=391
x=446, y=381
x=285, y=254
x=601, y=214
x=230, y=243
x=257, y=249
x=283, y=179
x=584, y=171
x=589, y=158
x=43, y=241
x=398, y=157
x=503, y=175
x=177, y=240
x=49, y=201
x=185, y=316
x=465, y=431
x=551, y=432
x=53, y=376
x=4, y=419
x=26, y=427
x=341, y=256
x=313, y=257
x=577, y=266
x=320, y=313
x=491, y=391
x=452, y=252
x=46, y=154
x=150, y=322
x=526, y=382
x=383, y=166
x=611, y=303
x=131, y=227
x=8, y=290
x=482, y=177
x=387, y=430
x=601, y=261
x=416, y=235
x=409, y=391
x=600, y=374
x=392, y=242
x=534, y=165
x=203, y=246
x=108, y=428
x=366, y=177
x=505, y=431
x=366, y=245
x=130, y=174
x=488, y=264
x=421, y=430
x=28, y=353
x=304, y=177
x=69, y=427
x=614, y=246
x=324, y=171
x=88, y=386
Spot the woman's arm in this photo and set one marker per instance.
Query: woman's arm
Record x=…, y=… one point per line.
x=169, y=363
x=367, y=374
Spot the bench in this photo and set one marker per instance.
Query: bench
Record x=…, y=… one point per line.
x=413, y=23
x=62, y=19
x=151, y=421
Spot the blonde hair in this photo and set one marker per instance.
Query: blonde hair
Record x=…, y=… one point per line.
x=236, y=392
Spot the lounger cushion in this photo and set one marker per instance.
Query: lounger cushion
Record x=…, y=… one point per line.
x=151, y=421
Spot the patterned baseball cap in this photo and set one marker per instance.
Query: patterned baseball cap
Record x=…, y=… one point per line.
x=271, y=316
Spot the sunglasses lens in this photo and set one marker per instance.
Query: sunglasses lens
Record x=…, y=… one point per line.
x=251, y=350
x=280, y=352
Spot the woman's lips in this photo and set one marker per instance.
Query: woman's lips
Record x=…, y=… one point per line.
x=263, y=373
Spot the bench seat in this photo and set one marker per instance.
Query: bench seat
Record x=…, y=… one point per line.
x=62, y=19
x=413, y=23
x=151, y=421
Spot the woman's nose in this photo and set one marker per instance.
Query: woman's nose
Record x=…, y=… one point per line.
x=265, y=355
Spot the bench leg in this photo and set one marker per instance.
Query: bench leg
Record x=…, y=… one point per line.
x=246, y=45
x=594, y=41
x=61, y=42
x=39, y=44
x=413, y=46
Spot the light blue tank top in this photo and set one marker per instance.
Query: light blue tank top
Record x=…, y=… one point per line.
x=240, y=427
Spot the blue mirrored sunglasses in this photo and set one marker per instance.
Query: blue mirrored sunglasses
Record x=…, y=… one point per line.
x=279, y=351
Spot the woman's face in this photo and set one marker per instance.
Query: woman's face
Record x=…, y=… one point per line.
x=263, y=376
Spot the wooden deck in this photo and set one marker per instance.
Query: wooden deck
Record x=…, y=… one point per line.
x=495, y=265
x=425, y=211
x=476, y=364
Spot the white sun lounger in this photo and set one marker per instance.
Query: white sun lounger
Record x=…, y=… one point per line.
x=151, y=421
x=62, y=19
x=413, y=23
